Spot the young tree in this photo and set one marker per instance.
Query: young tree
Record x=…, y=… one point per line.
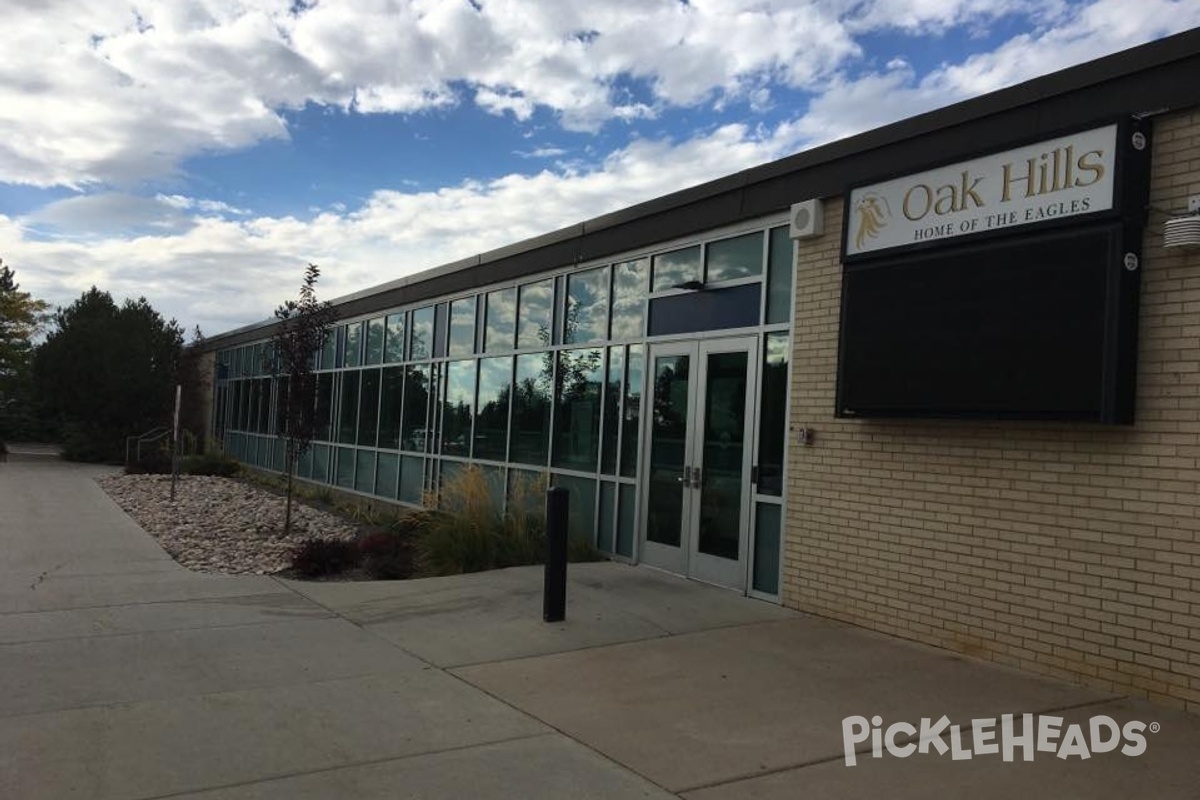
x=21, y=318
x=304, y=325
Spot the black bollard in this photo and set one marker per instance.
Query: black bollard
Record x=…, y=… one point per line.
x=554, y=592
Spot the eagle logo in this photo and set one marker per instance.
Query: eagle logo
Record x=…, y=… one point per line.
x=873, y=214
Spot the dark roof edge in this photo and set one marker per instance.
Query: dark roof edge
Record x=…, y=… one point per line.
x=1148, y=56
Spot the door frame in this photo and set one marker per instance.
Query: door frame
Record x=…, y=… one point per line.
x=686, y=559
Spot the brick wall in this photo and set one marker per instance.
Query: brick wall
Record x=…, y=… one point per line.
x=1071, y=550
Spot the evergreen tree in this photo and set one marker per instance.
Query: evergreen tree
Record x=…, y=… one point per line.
x=21, y=318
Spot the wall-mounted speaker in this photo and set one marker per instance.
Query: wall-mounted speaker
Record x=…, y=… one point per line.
x=808, y=219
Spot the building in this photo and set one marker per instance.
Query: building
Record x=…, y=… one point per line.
x=941, y=379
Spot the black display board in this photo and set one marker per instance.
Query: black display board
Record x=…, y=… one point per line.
x=1036, y=327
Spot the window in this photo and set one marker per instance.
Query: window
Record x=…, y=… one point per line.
x=460, y=408
x=779, y=277
x=462, y=327
x=531, y=409
x=628, y=299
x=676, y=267
x=348, y=422
x=421, y=338
x=534, y=314
x=414, y=431
x=631, y=413
x=772, y=421
x=368, y=408
x=612, y=411
x=492, y=409
x=354, y=343
x=587, y=306
x=577, y=409
x=730, y=259
x=374, y=341
x=390, y=397
x=393, y=347
x=500, y=318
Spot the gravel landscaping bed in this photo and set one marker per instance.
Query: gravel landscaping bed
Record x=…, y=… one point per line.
x=221, y=525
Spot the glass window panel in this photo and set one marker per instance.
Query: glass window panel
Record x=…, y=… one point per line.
x=668, y=433
x=730, y=259
x=725, y=446
x=439, y=330
x=412, y=479
x=604, y=529
x=462, y=327
x=390, y=396
x=324, y=406
x=304, y=464
x=354, y=344
x=348, y=419
x=329, y=351
x=629, y=299
x=364, y=475
x=264, y=406
x=612, y=410
x=531, y=409
x=577, y=409
x=450, y=472
x=500, y=317
x=339, y=356
x=587, y=306
x=368, y=408
x=393, y=344
x=779, y=277
x=631, y=411
x=493, y=478
x=772, y=419
x=459, y=408
x=414, y=432
x=491, y=422
x=534, y=314
x=766, y=548
x=374, y=341
x=676, y=267
x=526, y=492
x=421, y=338
x=581, y=506
x=320, y=463
x=387, y=475
x=345, y=467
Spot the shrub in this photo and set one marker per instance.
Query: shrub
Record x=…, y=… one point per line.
x=152, y=462
x=316, y=558
x=210, y=463
x=387, y=555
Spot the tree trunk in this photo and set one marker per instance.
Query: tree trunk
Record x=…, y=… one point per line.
x=287, y=508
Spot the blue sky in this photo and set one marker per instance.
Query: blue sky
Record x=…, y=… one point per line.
x=200, y=152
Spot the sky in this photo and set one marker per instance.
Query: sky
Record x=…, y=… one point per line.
x=200, y=153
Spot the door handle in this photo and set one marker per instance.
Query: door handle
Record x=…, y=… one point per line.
x=696, y=478
x=686, y=478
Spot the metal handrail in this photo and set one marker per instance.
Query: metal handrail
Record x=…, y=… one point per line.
x=151, y=435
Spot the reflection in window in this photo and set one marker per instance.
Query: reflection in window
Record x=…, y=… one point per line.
x=421, y=339
x=462, y=327
x=354, y=342
x=491, y=421
x=612, y=410
x=531, y=409
x=773, y=414
x=348, y=422
x=779, y=277
x=393, y=347
x=730, y=259
x=364, y=475
x=412, y=479
x=414, y=431
x=534, y=312
x=629, y=299
x=345, y=467
x=577, y=418
x=387, y=473
x=587, y=306
x=324, y=406
x=329, y=351
x=581, y=506
x=459, y=408
x=500, y=319
x=439, y=330
x=631, y=412
x=368, y=408
x=676, y=267
x=374, y=341
x=390, y=397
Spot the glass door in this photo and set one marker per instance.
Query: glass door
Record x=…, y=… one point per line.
x=699, y=454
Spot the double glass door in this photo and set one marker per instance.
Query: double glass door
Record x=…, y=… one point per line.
x=696, y=514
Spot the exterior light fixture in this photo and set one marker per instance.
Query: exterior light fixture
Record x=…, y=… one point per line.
x=1184, y=231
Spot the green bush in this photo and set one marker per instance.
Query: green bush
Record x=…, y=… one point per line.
x=210, y=463
x=151, y=462
x=317, y=558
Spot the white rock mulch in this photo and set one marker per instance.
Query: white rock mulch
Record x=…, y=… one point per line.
x=220, y=525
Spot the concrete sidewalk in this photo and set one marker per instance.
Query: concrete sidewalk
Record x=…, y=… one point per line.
x=128, y=676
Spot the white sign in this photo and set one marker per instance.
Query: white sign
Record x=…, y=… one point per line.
x=1058, y=178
